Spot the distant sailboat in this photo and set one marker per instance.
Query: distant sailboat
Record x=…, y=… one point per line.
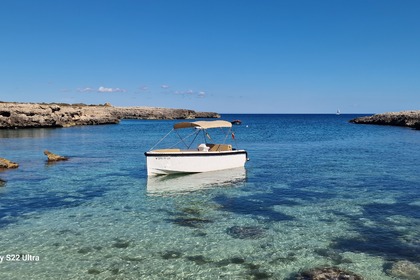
x=338, y=112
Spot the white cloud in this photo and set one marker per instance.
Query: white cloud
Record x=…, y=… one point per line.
x=164, y=86
x=190, y=92
x=86, y=89
x=105, y=89
x=100, y=89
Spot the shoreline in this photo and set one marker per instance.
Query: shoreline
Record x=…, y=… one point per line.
x=41, y=115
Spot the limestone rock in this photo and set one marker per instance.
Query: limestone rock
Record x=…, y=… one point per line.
x=323, y=273
x=23, y=115
x=5, y=163
x=405, y=118
x=405, y=270
x=54, y=157
x=156, y=113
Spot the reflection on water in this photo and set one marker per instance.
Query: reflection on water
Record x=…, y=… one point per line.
x=25, y=133
x=179, y=184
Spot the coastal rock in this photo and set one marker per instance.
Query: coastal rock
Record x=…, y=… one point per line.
x=405, y=118
x=405, y=270
x=152, y=113
x=54, y=157
x=32, y=115
x=5, y=163
x=28, y=115
x=324, y=273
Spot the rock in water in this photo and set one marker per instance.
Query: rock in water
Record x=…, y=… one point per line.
x=5, y=163
x=405, y=270
x=323, y=273
x=2, y=183
x=54, y=157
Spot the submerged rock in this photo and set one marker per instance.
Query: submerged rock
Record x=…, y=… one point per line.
x=93, y=271
x=5, y=163
x=245, y=232
x=192, y=222
x=198, y=260
x=171, y=255
x=133, y=259
x=85, y=250
x=54, y=157
x=257, y=274
x=121, y=244
x=333, y=256
x=405, y=270
x=324, y=273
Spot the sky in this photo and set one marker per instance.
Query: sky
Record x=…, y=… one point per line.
x=226, y=56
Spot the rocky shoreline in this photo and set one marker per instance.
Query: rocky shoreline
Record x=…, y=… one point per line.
x=37, y=115
x=404, y=118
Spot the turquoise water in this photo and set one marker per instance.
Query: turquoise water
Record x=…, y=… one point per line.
x=317, y=191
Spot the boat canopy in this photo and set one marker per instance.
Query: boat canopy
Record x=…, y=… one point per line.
x=203, y=124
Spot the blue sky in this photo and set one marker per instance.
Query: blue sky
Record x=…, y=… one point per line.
x=271, y=56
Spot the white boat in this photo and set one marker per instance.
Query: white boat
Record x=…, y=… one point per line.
x=195, y=158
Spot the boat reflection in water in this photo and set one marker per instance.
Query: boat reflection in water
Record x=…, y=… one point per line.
x=187, y=183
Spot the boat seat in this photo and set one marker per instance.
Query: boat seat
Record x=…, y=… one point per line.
x=219, y=147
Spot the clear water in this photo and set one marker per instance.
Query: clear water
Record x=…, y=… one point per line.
x=317, y=191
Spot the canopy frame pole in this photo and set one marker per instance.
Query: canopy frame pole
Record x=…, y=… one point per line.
x=182, y=139
x=196, y=134
x=205, y=136
x=161, y=139
x=226, y=135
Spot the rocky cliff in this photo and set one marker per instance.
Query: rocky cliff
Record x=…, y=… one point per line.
x=149, y=113
x=25, y=115
x=405, y=118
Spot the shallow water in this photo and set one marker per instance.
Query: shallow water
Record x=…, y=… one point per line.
x=317, y=191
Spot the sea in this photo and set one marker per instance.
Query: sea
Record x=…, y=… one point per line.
x=317, y=192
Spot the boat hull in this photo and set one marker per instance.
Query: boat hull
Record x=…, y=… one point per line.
x=159, y=163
